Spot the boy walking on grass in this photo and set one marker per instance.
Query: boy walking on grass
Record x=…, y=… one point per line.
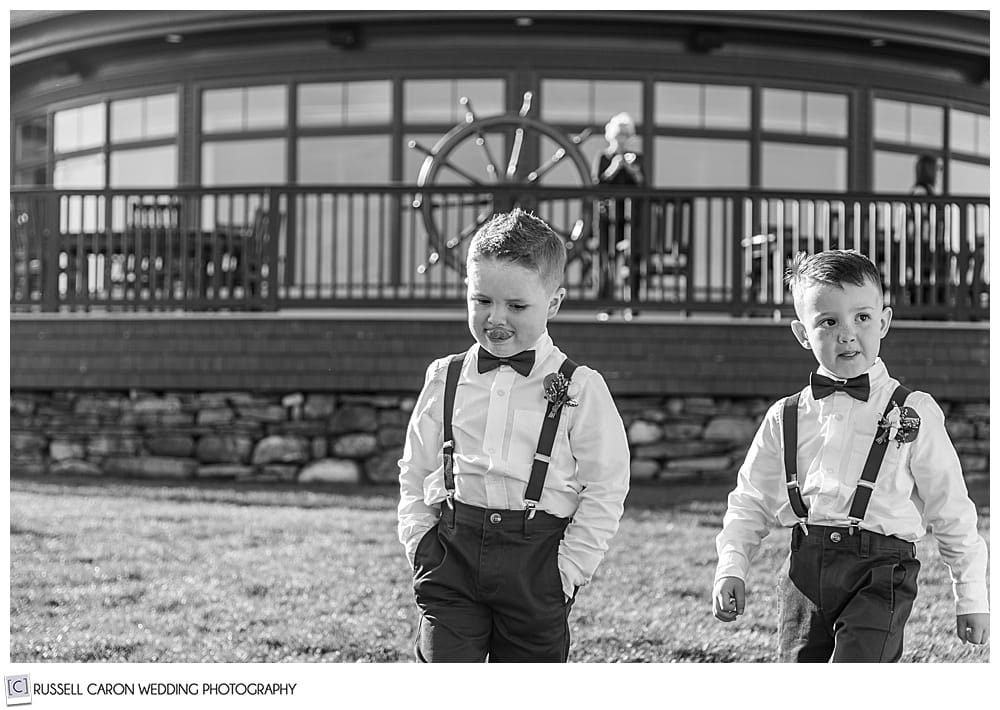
x=515, y=468
x=860, y=468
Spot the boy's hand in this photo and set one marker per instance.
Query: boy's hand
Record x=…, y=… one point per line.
x=973, y=628
x=728, y=598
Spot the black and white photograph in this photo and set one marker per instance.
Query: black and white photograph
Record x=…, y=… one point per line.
x=576, y=336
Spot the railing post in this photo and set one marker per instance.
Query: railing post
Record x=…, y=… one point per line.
x=271, y=249
x=964, y=290
x=49, y=234
x=736, y=263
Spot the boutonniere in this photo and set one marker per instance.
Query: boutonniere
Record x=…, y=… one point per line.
x=901, y=424
x=556, y=388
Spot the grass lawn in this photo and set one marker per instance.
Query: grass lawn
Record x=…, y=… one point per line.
x=105, y=570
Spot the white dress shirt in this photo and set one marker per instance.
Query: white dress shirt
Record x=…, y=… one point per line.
x=919, y=486
x=496, y=422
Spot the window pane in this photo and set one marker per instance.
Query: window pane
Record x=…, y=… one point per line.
x=222, y=110
x=890, y=121
x=32, y=140
x=31, y=177
x=678, y=104
x=894, y=172
x=612, y=97
x=161, y=116
x=969, y=178
x=782, y=110
x=84, y=172
x=785, y=166
x=369, y=102
x=252, y=162
x=266, y=107
x=126, y=120
x=969, y=133
x=437, y=100
x=593, y=102
x=566, y=101
x=826, y=114
x=79, y=128
x=727, y=107
x=144, y=167
x=344, y=159
x=926, y=125
x=242, y=109
x=701, y=162
x=321, y=104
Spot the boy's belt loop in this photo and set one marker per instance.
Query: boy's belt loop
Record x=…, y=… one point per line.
x=865, y=547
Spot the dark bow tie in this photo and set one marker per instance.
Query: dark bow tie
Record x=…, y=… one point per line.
x=858, y=387
x=522, y=362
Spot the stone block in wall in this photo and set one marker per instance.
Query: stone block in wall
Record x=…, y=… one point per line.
x=28, y=465
x=353, y=417
x=392, y=417
x=972, y=446
x=302, y=427
x=643, y=469
x=223, y=470
x=700, y=406
x=701, y=463
x=642, y=432
x=974, y=410
x=383, y=467
x=679, y=449
x=960, y=428
x=248, y=399
x=319, y=406
x=983, y=429
x=54, y=422
x=682, y=429
x=331, y=471
x=211, y=400
x=150, y=466
x=974, y=464
x=267, y=413
x=216, y=416
x=678, y=475
x=167, y=419
x=727, y=428
x=407, y=404
x=274, y=472
x=22, y=407
x=75, y=467
x=281, y=449
x=390, y=436
x=114, y=445
x=155, y=405
x=100, y=405
x=60, y=449
x=27, y=442
x=318, y=447
x=223, y=448
x=379, y=401
x=170, y=445
x=354, y=446
x=293, y=400
x=637, y=404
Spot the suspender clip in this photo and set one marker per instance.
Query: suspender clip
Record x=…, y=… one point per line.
x=529, y=508
x=854, y=526
x=450, y=499
x=802, y=526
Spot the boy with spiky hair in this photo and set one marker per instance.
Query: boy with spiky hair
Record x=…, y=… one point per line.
x=859, y=468
x=515, y=468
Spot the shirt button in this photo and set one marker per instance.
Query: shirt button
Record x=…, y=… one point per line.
x=501, y=393
x=495, y=518
x=839, y=417
x=490, y=450
x=835, y=537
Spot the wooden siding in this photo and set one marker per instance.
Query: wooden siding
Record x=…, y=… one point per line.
x=370, y=353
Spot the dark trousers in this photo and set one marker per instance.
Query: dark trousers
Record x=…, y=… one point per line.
x=846, y=597
x=488, y=586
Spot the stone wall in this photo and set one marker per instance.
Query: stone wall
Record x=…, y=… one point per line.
x=311, y=437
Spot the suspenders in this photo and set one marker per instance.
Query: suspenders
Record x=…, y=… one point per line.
x=866, y=483
x=543, y=452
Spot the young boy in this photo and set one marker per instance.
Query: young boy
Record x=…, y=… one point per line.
x=859, y=470
x=507, y=504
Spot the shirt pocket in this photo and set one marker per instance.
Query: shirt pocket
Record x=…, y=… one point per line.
x=520, y=447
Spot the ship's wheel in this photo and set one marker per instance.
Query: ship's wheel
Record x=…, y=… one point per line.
x=486, y=153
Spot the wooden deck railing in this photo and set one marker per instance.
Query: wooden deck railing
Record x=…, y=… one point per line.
x=323, y=247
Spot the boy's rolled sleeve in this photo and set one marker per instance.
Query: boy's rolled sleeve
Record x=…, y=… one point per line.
x=751, y=507
x=422, y=457
x=948, y=511
x=600, y=450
